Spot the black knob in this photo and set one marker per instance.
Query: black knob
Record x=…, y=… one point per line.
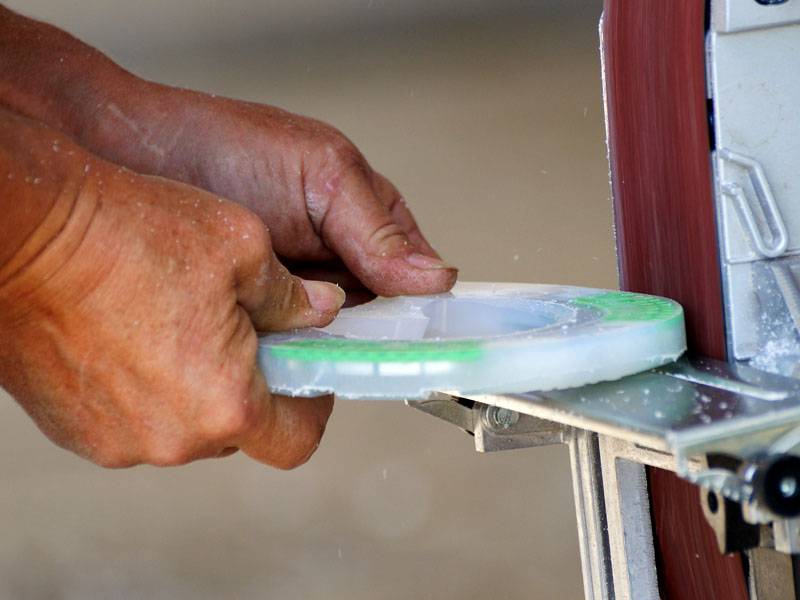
x=777, y=485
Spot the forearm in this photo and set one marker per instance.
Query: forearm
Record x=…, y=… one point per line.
x=48, y=75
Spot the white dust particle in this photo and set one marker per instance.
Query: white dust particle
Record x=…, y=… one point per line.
x=776, y=352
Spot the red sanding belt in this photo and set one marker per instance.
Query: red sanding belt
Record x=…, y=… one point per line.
x=666, y=237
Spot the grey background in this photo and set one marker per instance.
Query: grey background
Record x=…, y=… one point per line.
x=488, y=115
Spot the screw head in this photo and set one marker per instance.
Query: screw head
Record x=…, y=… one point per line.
x=501, y=418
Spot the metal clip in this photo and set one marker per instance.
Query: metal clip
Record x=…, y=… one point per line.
x=769, y=208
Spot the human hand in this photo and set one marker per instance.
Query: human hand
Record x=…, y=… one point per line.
x=327, y=209
x=314, y=189
x=130, y=337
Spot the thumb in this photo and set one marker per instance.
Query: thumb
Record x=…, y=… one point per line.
x=276, y=300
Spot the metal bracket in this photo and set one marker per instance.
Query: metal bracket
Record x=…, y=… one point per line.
x=764, y=204
x=756, y=179
x=677, y=414
x=740, y=15
x=494, y=428
x=608, y=469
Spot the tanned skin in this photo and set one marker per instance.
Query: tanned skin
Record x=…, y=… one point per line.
x=141, y=247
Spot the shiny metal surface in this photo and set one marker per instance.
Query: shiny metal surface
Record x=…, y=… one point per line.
x=630, y=531
x=677, y=418
x=740, y=15
x=751, y=52
x=590, y=511
x=687, y=408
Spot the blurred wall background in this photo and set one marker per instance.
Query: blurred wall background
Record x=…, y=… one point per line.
x=488, y=115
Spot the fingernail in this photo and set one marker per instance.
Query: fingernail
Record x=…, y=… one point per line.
x=421, y=261
x=324, y=297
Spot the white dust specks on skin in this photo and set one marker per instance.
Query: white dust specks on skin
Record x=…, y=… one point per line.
x=317, y=206
x=263, y=276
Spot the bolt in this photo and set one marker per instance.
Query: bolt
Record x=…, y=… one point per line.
x=501, y=418
x=788, y=487
x=771, y=2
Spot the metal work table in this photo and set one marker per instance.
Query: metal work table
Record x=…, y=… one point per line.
x=732, y=430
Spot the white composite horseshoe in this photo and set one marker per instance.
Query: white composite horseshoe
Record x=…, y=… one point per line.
x=478, y=338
